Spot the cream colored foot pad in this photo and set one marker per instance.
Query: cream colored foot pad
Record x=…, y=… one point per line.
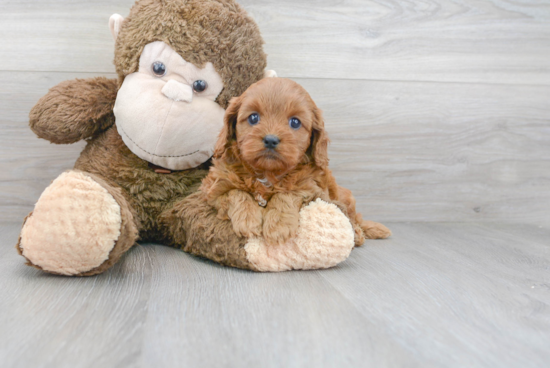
x=74, y=226
x=324, y=239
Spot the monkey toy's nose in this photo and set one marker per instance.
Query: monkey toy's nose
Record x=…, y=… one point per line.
x=271, y=141
x=177, y=91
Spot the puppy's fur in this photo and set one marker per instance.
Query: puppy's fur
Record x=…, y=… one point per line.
x=247, y=176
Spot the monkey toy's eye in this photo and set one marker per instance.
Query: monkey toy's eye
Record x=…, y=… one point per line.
x=294, y=123
x=159, y=69
x=254, y=119
x=200, y=86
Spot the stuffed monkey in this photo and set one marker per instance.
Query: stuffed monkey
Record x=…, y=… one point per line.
x=150, y=136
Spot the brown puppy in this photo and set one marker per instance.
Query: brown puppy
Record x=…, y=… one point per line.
x=271, y=159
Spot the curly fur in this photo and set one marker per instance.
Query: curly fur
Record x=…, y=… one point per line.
x=246, y=173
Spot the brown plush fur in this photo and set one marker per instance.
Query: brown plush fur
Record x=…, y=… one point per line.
x=206, y=235
x=165, y=209
x=75, y=110
x=296, y=170
x=149, y=193
x=217, y=31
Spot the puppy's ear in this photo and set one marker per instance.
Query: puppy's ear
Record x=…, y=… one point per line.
x=228, y=133
x=318, y=150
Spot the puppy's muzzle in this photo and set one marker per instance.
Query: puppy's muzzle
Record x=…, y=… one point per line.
x=271, y=141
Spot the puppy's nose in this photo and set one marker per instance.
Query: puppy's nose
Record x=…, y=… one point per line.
x=271, y=141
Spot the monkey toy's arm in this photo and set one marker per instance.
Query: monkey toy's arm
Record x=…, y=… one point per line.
x=75, y=110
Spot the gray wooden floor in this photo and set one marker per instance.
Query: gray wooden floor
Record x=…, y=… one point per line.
x=439, y=116
x=434, y=295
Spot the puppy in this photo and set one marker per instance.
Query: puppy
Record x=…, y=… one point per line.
x=271, y=159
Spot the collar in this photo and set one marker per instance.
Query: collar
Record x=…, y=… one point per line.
x=265, y=182
x=261, y=178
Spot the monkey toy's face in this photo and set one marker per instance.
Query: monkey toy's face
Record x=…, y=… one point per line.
x=166, y=111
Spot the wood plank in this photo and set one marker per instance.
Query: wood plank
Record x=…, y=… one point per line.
x=28, y=164
x=195, y=313
x=58, y=35
x=468, y=41
x=433, y=295
x=51, y=321
x=208, y=316
x=456, y=294
x=409, y=151
x=471, y=41
x=440, y=151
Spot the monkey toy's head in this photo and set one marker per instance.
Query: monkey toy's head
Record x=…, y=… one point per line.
x=179, y=63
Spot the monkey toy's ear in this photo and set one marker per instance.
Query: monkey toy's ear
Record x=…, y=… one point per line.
x=228, y=133
x=270, y=74
x=115, y=23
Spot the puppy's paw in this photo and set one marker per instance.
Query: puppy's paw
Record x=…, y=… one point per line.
x=279, y=226
x=248, y=228
x=247, y=222
x=222, y=214
x=375, y=230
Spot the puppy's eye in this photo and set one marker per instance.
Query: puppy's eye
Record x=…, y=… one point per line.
x=200, y=86
x=254, y=119
x=159, y=68
x=295, y=123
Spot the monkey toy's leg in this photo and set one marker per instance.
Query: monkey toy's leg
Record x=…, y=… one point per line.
x=194, y=226
x=324, y=238
x=80, y=226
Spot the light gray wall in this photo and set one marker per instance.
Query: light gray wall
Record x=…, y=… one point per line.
x=438, y=110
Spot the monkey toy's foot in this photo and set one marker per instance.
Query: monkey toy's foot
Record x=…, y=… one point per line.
x=325, y=238
x=80, y=226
